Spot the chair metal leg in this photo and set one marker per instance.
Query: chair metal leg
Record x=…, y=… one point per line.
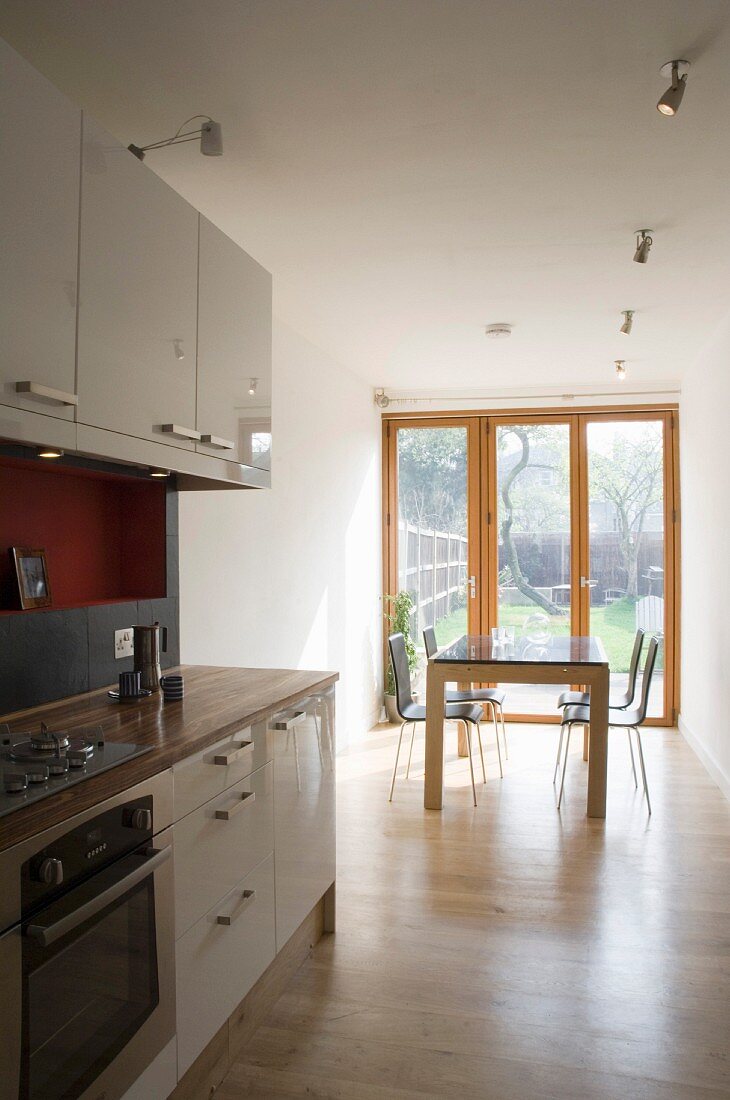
x=395, y=769
x=643, y=770
x=557, y=759
x=565, y=761
x=504, y=731
x=410, y=751
x=499, y=752
x=493, y=709
x=631, y=750
x=467, y=728
x=481, y=750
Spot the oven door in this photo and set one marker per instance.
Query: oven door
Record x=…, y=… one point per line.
x=96, y=975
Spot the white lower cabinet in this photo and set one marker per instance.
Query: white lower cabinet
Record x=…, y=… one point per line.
x=208, y=773
x=219, y=843
x=221, y=957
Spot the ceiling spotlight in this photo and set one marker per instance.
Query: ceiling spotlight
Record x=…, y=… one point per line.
x=620, y=369
x=210, y=134
x=628, y=316
x=670, y=101
x=49, y=452
x=498, y=331
x=644, y=241
x=156, y=472
x=252, y=385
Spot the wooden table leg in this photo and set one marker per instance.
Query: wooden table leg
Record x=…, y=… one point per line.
x=433, y=787
x=585, y=742
x=598, y=755
x=462, y=742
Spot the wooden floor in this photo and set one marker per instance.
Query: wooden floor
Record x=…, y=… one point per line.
x=511, y=951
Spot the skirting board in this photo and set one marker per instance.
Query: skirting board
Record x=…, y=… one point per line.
x=706, y=758
x=213, y=1063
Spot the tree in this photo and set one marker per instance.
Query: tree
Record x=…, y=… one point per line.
x=631, y=477
x=432, y=478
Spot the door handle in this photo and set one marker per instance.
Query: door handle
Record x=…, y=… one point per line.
x=45, y=393
x=245, y=800
x=472, y=582
x=217, y=442
x=248, y=897
x=179, y=432
x=237, y=749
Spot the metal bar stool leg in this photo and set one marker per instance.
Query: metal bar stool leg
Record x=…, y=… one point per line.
x=395, y=769
x=631, y=750
x=643, y=770
x=565, y=761
x=410, y=751
x=557, y=759
x=481, y=750
x=467, y=728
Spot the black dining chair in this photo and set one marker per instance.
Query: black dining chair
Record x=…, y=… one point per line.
x=411, y=712
x=491, y=697
x=618, y=702
x=630, y=720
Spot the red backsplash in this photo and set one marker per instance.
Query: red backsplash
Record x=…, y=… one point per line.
x=104, y=534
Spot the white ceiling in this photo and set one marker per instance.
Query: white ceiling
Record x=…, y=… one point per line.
x=411, y=170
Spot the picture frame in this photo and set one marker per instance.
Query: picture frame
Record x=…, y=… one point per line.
x=31, y=570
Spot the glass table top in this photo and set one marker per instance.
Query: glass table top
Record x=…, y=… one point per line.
x=557, y=650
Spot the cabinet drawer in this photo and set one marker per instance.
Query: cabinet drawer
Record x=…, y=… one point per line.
x=201, y=777
x=219, y=843
x=220, y=958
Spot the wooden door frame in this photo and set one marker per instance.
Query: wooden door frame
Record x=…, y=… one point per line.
x=483, y=532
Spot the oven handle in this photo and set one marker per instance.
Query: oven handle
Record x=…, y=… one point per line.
x=47, y=934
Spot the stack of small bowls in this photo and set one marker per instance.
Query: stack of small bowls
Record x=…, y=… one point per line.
x=173, y=688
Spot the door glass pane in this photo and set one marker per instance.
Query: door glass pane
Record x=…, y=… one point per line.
x=533, y=522
x=432, y=529
x=626, y=524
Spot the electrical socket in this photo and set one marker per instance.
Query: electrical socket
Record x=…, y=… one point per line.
x=123, y=643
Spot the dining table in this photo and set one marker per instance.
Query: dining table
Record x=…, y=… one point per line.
x=558, y=659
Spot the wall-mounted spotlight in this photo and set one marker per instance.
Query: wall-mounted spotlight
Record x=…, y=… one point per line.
x=157, y=472
x=49, y=452
x=644, y=241
x=252, y=386
x=670, y=101
x=179, y=353
x=620, y=369
x=628, y=316
x=210, y=134
x=381, y=398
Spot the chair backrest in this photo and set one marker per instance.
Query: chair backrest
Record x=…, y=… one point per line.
x=429, y=641
x=401, y=672
x=646, y=678
x=634, y=666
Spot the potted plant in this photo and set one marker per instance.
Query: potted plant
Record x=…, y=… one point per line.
x=399, y=618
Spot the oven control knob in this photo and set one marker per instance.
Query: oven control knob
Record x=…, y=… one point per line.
x=141, y=819
x=50, y=871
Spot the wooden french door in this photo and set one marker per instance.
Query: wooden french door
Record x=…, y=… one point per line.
x=540, y=524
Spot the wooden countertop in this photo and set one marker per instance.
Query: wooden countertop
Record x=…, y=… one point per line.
x=218, y=702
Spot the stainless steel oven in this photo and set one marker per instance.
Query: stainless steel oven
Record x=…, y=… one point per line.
x=87, y=950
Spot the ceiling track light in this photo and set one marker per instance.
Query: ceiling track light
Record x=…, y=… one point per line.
x=628, y=316
x=644, y=241
x=210, y=134
x=620, y=369
x=670, y=101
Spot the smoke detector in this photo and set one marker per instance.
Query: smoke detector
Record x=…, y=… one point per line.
x=498, y=331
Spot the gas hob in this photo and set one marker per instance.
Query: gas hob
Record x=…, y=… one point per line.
x=37, y=764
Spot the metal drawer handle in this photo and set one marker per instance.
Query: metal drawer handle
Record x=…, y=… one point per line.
x=289, y=723
x=248, y=897
x=45, y=393
x=217, y=441
x=180, y=432
x=237, y=749
x=245, y=800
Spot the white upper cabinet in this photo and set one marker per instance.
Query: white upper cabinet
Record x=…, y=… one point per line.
x=234, y=352
x=138, y=283
x=40, y=133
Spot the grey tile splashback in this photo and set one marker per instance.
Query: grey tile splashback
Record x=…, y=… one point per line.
x=47, y=655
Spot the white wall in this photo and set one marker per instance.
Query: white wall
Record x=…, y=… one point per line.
x=705, y=489
x=290, y=577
